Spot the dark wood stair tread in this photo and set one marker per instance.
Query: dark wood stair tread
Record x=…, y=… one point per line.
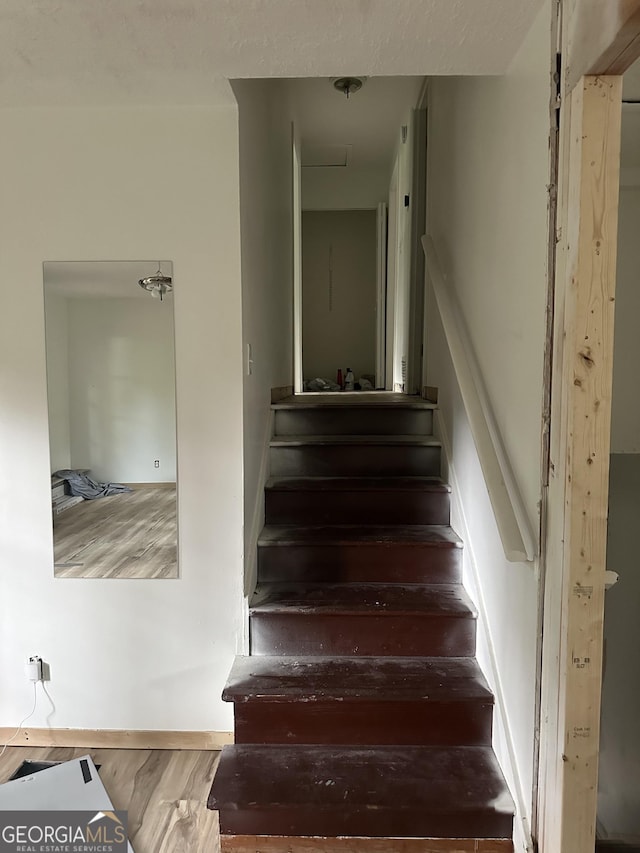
x=386, y=440
x=372, y=791
x=434, y=535
x=361, y=599
x=317, y=679
x=357, y=484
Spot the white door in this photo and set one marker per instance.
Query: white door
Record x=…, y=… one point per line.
x=381, y=293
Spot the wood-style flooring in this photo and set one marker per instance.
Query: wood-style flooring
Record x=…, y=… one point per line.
x=164, y=792
x=130, y=535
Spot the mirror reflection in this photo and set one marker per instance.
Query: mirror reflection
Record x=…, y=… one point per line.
x=112, y=418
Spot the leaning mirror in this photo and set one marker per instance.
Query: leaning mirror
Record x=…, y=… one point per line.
x=112, y=418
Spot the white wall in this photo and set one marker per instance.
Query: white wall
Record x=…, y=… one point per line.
x=122, y=389
x=346, y=188
x=338, y=292
x=57, y=323
x=488, y=169
x=93, y=184
x=625, y=413
x=267, y=314
x=618, y=790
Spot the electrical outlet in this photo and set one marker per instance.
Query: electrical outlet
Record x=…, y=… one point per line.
x=33, y=668
x=156, y=463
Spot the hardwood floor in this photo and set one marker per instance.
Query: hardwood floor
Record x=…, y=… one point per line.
x=164, y=792
x=130, y=535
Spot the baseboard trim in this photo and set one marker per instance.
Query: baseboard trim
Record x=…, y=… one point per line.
x=277, y=844
x=117, y=739
x=150, y=485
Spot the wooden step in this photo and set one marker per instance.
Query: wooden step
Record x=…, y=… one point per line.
x=354, y=456
x=381, y=554
x=380, y=792
x=381, y=419
x=346, y=844
x=359, y=700
x=356, y=500
x=362, y=619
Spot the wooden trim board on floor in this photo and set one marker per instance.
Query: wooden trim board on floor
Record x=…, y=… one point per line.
x=151, y=485
x=285, y=844
x=116, y=739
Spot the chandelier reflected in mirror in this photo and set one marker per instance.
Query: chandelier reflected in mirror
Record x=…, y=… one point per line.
x=158, y=284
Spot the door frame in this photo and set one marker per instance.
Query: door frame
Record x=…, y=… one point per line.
x=600, y=39
x=392, y=278
x=296, y=206
x=417, y=286
x=381, y=292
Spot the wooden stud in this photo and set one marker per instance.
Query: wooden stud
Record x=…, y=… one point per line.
x=116, y=739
x=578, y=489
x=603, y=37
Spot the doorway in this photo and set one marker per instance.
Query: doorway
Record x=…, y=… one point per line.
x=354, y=228
x=339, y=295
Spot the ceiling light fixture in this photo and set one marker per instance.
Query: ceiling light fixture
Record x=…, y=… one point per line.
x=348, y=85
x=157, y=284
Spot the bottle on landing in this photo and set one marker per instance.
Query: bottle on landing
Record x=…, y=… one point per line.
x=349, y=380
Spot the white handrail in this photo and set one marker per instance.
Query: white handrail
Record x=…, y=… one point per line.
x=508, y=507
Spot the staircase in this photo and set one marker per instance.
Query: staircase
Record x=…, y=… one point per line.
x=362, y=720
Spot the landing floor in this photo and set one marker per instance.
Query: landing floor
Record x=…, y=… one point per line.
x=348, y=398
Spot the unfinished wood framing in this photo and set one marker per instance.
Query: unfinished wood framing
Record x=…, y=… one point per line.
x=116, y=739
x=578, y=488
x=603, y=37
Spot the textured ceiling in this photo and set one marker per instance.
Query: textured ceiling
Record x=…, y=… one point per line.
x=368, y=123
x=181, y=51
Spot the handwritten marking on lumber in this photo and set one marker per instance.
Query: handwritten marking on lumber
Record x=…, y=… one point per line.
x=581, y=732
x=581, y=591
